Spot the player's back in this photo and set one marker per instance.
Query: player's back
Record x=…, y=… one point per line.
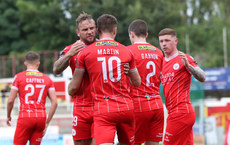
x=149, y=64
x=33, y=87
x=104, y=61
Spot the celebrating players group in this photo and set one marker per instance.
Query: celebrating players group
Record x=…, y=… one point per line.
x=115, y=88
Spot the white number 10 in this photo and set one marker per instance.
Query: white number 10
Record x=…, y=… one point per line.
x=31, y=93
x=110, y=63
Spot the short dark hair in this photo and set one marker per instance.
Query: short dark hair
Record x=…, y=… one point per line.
x=106, y=23
x=167, y=31
x=139, y=27
x=32, y=57
x=82, y=17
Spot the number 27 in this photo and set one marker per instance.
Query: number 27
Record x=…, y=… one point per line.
x=31, y=93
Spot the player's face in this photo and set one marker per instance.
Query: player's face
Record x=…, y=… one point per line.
x=168, y=43
x=87, y=31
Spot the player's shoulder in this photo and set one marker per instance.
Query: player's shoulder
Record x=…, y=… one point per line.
x=189, y=56
x=91, y=45
x=65, y=50
x=20, y=74
x=132, y=46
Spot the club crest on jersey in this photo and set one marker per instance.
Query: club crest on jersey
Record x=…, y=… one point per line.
x=176, y=66
x=146, y=47
x=38, y=74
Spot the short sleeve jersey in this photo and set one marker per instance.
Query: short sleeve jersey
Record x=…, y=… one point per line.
x=32, y=87
x=83, y=100
x=176, y=81
x=104, y=61
x=148, y=60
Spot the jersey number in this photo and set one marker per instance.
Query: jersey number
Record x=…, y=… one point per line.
x=110, y=64
x=150, y=63
x=31, y=93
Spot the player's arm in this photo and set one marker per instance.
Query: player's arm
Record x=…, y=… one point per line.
x=53, y=100
x=134, y=78
x=10, y=104
x=62, y=63
x=75, y=83
x=197, y=72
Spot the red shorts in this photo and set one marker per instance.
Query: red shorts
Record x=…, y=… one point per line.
x=179, y=129
x=82, y=125
x=149, y=126
x=105, y=126
x=29, y=129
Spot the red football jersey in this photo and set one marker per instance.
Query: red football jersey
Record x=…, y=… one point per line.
x=176, y=80
x=104, y=61
x=149, y=64
x=32, y=87
x=83, y=99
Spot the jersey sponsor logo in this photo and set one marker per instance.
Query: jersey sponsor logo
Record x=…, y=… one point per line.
x=146, y=47
x=107, y=43
x=176, y=66
x=169, y=77
x=73, y=132
x=38, y=74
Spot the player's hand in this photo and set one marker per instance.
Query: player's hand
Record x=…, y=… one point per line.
x=8, y=121
x=75, y=48
x=183, y=58
x=44, y=131
x=126, y=68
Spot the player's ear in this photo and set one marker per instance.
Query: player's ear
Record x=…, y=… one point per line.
x=132, y=34
x=147, y=34
x=97, y=31
x=77, y=32
x=38, y=63
x=25, y=63
x=115, y=31
x=176, y=40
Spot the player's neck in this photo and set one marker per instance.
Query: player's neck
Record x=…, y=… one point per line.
x=32, y=68
x=106, y=36
x=140, y=40
x=171, y=54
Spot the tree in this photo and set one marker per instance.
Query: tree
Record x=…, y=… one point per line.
x=12, y=37
x=45, y=24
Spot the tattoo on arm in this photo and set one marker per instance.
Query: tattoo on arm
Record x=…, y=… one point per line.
x=61, y=64
x=197, y=72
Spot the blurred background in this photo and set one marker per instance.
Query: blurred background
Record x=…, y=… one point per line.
x=47, y=26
